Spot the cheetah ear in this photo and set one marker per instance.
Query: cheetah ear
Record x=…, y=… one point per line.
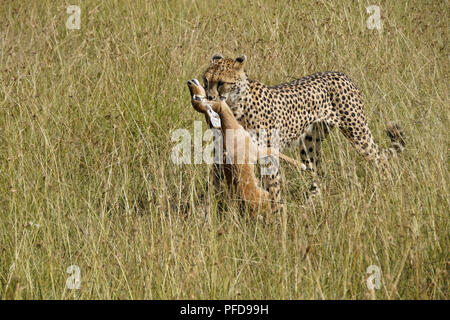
x=240, y=62
x=215, y=57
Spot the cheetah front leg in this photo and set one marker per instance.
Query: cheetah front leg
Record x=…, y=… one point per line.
x=270, y=169
x=218, y=177
x=272, y=183
x=221, y=173
x=218, y=169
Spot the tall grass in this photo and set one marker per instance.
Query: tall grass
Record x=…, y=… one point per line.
x=86, y=118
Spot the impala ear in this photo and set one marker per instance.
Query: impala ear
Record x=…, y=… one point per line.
x=215, y=57
x=240, y=62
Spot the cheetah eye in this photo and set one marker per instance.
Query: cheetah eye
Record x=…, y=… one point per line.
x=219, y=84
x=205, y=81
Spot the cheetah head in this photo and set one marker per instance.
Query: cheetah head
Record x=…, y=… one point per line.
x=224, y=78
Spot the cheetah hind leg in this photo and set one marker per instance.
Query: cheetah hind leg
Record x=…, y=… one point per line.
x=310, y=153
x=365, y=145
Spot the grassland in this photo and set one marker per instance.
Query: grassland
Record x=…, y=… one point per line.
x=86, y=118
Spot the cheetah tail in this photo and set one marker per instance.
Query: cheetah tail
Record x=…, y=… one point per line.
x=395, y=133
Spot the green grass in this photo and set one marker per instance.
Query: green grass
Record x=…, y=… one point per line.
x=86, y=118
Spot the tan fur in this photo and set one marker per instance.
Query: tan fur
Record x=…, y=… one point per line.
x=301, y=111
x=240, y=175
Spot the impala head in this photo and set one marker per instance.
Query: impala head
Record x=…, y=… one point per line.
x=198, y=95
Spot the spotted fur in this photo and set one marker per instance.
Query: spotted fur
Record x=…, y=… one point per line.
x=240, y=149
x=301, y=111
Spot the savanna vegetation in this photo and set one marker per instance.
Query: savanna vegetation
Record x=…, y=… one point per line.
x=86, y=176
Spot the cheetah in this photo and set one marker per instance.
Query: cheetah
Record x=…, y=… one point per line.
x=298, y=112
x=238, y=145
